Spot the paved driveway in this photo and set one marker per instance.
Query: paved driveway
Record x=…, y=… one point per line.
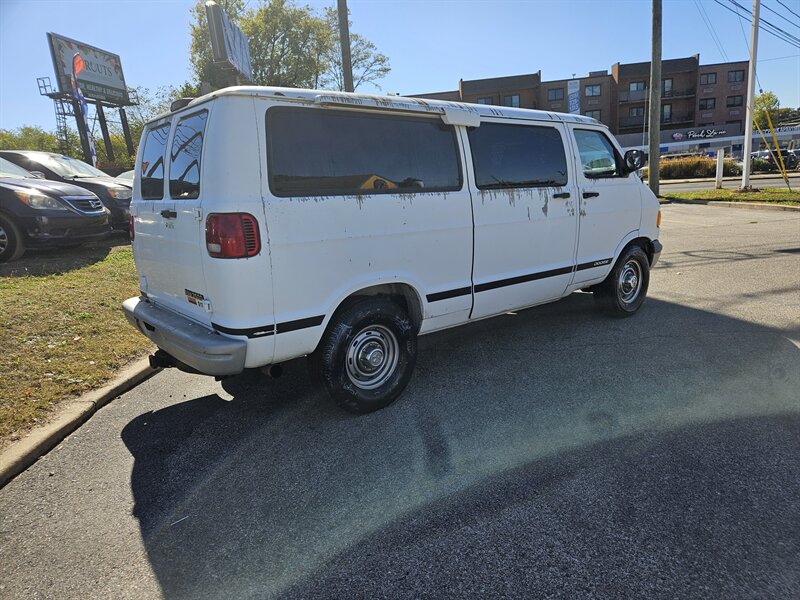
x=553, y=452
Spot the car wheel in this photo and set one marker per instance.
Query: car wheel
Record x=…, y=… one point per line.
x=366, y=356
x=625, y=288
x=12, y=245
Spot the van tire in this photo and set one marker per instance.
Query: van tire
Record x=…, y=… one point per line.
x=370, y=327
x=12, y=240
x=615, y=295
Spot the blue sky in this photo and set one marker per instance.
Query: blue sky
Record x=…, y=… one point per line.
x=431, y=44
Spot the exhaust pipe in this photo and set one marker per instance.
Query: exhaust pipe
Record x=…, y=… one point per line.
x=162, y=360
x=273, y=371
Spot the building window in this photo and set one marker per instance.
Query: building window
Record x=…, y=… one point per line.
x=487, y=100
x=593, y=90
x=511, y=101
x=555, y=94
x=594, y=114
x=666, y=112
x=636, y=111
x=345, y=153
x=734, y=76
x=708, y=78
x=637, y=86
x=666, y=87
x=512, y=156
x=708, y=103
x=734, y=101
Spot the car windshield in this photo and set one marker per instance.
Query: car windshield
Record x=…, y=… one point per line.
x=67, y=167
x=9, y=169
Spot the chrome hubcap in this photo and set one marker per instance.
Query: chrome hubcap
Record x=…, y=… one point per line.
x=372, y=357
x=629, y=282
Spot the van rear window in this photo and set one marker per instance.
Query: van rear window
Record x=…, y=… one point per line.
x=187, y=148
x=152, y=175
x=321, y=152
x=514, y=156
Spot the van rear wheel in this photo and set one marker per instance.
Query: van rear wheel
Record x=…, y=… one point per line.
x=366, y=356
x=625, y=288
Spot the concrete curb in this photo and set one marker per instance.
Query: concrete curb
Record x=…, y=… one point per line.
x=72, y=414
x=724, y=203
x=736, y=178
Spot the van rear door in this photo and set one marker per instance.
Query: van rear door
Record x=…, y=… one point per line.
x=169, y=233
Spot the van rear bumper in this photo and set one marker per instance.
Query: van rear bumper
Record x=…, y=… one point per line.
x=190, y=343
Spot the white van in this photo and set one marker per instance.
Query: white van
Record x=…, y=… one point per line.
x=272, y=223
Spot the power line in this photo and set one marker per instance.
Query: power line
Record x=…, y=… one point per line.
x=777, y=32
x=767, y=24
x=787, y=8
x=789, y=21
x=710, y=27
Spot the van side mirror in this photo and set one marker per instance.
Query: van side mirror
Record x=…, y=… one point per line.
x=635, y=160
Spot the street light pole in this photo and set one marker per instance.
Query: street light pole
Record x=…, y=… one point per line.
x=751, y=90
x=655, y=101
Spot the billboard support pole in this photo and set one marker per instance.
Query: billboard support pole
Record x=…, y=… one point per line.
x=126, y=131
x=87, y=153
x=104, y=128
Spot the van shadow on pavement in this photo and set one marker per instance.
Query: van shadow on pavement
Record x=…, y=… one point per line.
x=552, y=451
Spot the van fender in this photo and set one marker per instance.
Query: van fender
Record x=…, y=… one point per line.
x=627, y=239
x=371, y=284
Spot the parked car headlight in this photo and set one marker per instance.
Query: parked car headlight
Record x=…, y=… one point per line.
x=40, y=201
x=120, y=193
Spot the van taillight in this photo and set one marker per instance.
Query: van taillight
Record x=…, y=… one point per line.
x=232, y=235
x=131, y=232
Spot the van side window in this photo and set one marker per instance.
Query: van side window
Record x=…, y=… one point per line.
x=152, y=175
x=321, y=152
x=187, y=146
x=511, y=156
x=598, y=156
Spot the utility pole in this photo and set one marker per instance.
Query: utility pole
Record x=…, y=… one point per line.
x=751, y=91
x=655, y=101
x=344, y=40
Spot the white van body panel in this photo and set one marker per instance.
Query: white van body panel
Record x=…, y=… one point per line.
x=457, y=256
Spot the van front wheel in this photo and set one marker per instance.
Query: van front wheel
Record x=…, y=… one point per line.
x=624, y=290
x=367, y=355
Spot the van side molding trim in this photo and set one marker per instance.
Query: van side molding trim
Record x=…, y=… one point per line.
x=265, y=330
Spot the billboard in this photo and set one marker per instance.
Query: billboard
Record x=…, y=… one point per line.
x=574, y=96
x=101, y=77
x=228, y=43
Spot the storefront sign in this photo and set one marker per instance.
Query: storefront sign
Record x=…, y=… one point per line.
x=694, y=134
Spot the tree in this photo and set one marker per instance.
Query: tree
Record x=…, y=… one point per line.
x=290, y=46
x=766, y=103
x=367, y=63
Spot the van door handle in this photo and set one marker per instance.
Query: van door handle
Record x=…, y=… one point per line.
x=169, y=214
x=561, y=195
x=591, y=194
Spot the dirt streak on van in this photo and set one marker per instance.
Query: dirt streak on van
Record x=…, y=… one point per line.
x=424, y=215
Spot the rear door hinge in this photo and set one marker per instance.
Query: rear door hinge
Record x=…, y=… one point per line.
x=198, y=214
x=206, y=304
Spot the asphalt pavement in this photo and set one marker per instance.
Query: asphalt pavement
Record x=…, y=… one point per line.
x=553, y=452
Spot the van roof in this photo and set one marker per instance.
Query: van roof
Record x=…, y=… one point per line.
x=401, y=103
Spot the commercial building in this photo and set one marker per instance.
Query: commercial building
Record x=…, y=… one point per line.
x=702, y=106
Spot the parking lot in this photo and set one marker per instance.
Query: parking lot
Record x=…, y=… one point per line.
x=551, y=452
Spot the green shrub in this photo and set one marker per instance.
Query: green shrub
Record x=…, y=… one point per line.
x=694, y=166
x=759, y=165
